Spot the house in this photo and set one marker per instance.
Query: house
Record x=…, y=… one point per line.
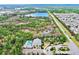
x=45, y=33
x=37, y=43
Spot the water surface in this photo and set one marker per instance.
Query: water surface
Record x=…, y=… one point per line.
x=38, y=15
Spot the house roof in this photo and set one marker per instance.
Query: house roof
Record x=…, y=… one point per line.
x=37, y=41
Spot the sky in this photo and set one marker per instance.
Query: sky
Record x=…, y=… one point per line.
x=38, y=1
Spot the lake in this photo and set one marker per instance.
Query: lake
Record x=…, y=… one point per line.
x=38, y=14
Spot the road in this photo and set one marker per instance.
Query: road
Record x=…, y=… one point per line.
x=74, y=50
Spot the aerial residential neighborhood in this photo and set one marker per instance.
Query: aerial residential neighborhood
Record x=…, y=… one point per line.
x=39, y=29
x=69, y=20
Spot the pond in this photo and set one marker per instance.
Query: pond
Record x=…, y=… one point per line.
x=38, y=15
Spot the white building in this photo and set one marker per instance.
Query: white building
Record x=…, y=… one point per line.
x=37, y=43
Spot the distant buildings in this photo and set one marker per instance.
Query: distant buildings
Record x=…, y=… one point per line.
x=6, y=12
x=71, y=20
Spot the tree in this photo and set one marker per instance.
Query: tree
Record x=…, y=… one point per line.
x=77, y=37
x=62, y=39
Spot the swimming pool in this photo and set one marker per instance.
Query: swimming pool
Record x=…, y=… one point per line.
x=28, y=44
